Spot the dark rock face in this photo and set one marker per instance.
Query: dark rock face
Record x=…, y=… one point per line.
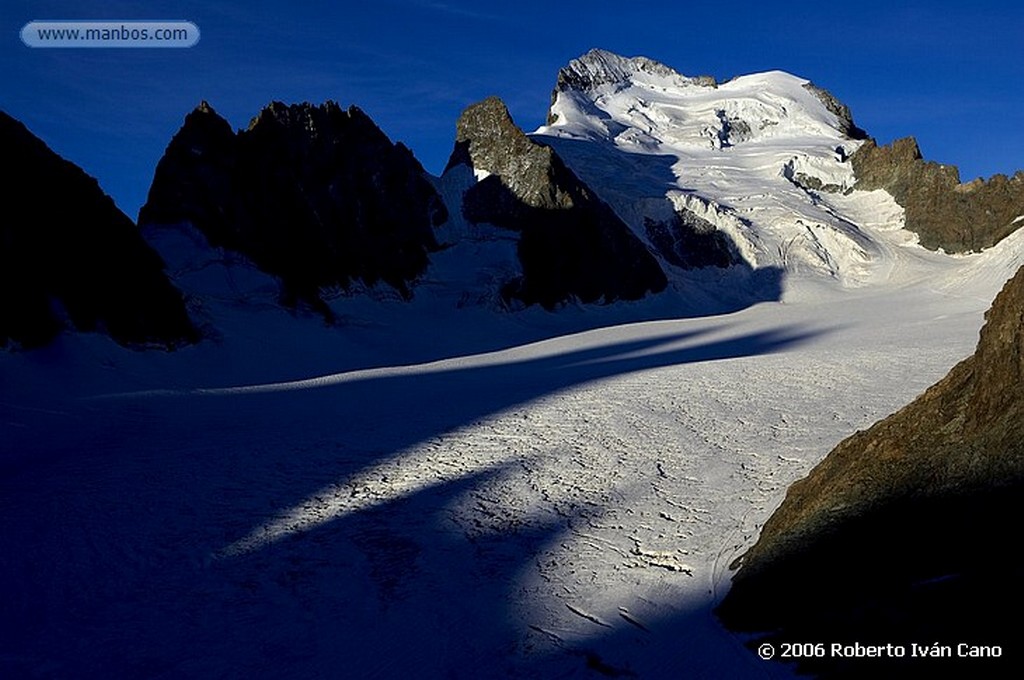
x=898, y=535
x=315, y=195
x=839, y=109
x=945, y=213
x=600, y=67
x=194, y=179
x=733, y=130
x=572, y=245
x=70, y=259
x=689, y=241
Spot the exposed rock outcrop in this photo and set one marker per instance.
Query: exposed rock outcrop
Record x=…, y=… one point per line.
x=840, y=110
x=689, y=241
x=600, y=67
x=69, y=259
x=943, y=212
x=901, y=533
x=571, y=245
x=315, y=195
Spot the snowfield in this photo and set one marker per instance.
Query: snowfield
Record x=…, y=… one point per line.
x=460, y=500
x=441, y=489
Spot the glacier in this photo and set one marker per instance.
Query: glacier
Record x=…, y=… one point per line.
x=433, y=489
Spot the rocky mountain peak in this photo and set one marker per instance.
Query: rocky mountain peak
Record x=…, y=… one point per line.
x=572, y=245
x=311, y=120
x=204, y=113
x=999, y=361
x=943, y=212
x=202, y=156
x=314, y=194
x=204, y=122
x=325, y=125
x=601, y=67
x=488, y=141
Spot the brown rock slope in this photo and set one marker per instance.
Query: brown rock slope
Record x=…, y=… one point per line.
x=571, y=245
x=943, y=212
x=903, y=533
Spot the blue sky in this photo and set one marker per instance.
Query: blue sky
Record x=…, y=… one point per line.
x=949, y=73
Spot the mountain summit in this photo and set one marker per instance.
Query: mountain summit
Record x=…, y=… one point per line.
x=646, y=94
x=751, y=172
x=643, y=180
x=316, y=195
x=600, y=67
x=559, y=418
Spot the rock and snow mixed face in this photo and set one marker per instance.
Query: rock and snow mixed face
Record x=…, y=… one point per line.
x=763, y=158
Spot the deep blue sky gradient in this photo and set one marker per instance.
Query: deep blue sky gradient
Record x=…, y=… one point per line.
x=950, y=73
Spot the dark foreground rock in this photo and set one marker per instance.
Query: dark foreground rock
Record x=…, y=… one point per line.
x=943, y=212
x=316, y=195
x=572, y=245
x=69, y=259
x=905, y=532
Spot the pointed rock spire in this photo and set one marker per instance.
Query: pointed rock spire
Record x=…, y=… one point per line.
x=316, y=195
x=572, y=245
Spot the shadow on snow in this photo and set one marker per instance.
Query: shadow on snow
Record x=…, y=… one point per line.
x=108, y=567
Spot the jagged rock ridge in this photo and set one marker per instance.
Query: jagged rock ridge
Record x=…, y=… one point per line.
x=943, y=212
x=840, y=110
x=71, y=260
x=571, y=245
x=898, y=533
x=315, y=195
x=600, y=67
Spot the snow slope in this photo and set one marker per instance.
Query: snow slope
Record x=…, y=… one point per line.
x=433, y=489
x=738, y=154
x=482, y=503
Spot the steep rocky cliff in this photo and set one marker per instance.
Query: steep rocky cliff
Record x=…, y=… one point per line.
x=840, y=110
x=316, y=195
x=571, y=245
x=900, y=533
x=69, y=259
x=943, y=212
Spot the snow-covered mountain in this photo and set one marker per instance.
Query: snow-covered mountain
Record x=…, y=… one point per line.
x=769, y=160
x=441, y=485
x=762, y=158
x=644, y=182
x=742, y=190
